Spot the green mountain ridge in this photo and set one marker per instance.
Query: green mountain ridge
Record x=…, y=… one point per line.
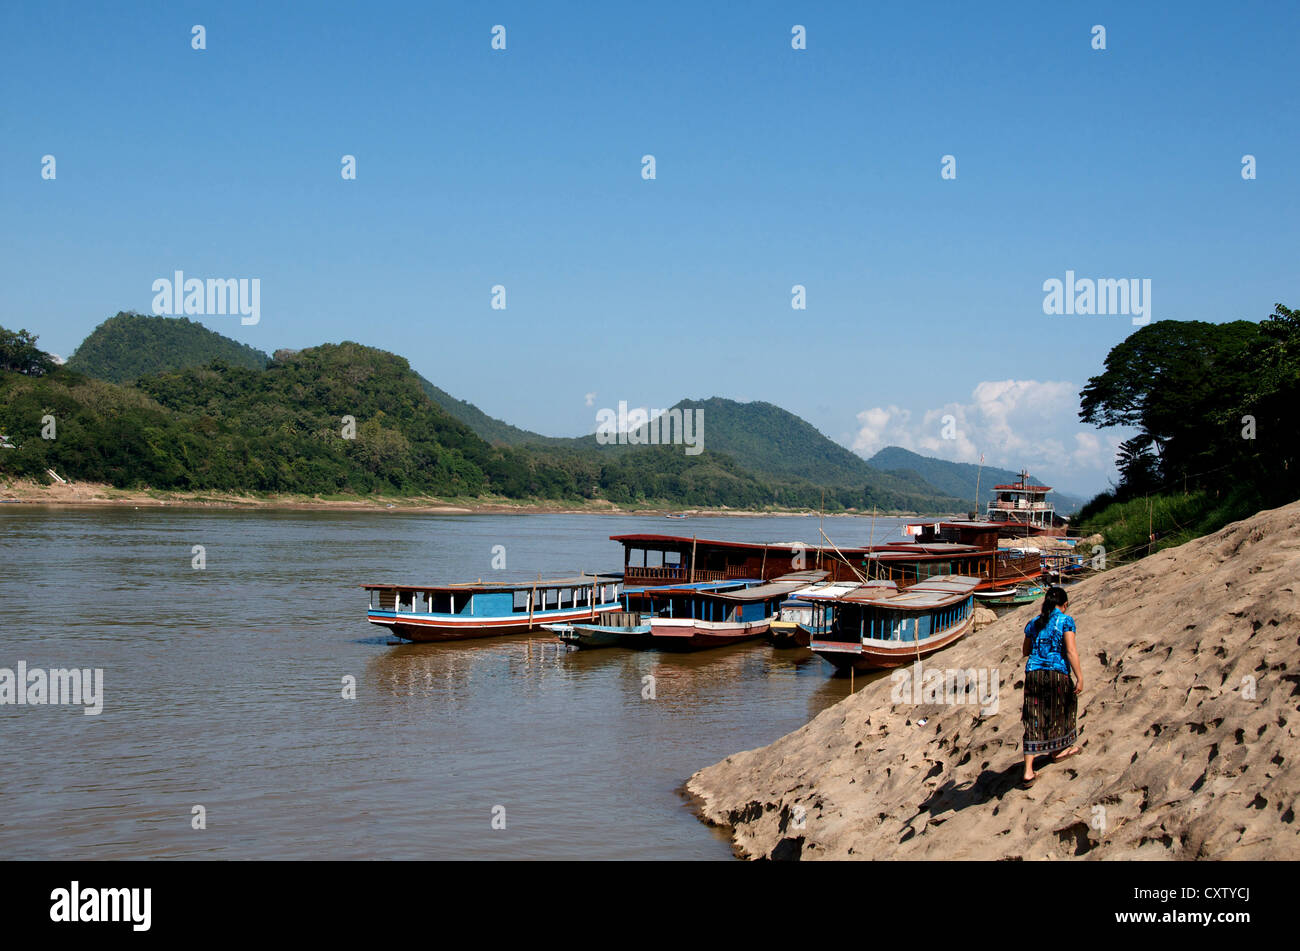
x=195, y=409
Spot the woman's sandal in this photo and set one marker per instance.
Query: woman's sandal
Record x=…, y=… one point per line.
x=1027, y=781
x=1066, y=754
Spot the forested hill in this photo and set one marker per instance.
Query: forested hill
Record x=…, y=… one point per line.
x=346, y=418
x=128, y=346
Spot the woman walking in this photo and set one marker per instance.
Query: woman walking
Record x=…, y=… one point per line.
x=1051, y=700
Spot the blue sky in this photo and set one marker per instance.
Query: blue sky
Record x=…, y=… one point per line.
x=775, y=167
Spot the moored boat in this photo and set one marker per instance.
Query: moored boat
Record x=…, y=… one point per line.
x=1022, y=594
x=941, y=548
x=793, y=625
x=699, y=620
x=615, y=629
x=630, y=627
x=878, y=625
x=425, y=613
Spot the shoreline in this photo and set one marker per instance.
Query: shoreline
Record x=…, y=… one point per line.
x=96, y=495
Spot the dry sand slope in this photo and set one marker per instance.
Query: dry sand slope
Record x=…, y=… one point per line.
x=1178, y=761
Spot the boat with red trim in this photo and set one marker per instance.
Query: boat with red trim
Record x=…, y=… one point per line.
x=881, y=625
x=487, y=609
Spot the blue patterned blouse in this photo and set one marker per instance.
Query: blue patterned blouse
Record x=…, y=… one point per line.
x=1048, y=650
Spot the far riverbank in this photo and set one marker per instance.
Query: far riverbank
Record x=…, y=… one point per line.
x=97, y=494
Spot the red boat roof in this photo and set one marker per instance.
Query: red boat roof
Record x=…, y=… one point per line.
x=1021, y=487
x=687, y=541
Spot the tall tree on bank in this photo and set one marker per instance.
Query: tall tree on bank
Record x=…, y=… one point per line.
x=1210, y=403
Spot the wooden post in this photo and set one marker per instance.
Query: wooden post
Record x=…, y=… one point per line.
x=692, y=577
x=532, y=603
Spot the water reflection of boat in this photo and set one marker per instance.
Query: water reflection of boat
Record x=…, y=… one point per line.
x=454, y=612
x=879, y=625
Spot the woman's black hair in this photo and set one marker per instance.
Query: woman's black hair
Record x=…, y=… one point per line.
x=1053, y=599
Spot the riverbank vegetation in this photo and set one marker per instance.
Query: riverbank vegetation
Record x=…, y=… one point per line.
x=1217, y=434
x=345, y=419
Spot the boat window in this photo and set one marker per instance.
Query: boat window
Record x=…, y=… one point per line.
x=521, y=601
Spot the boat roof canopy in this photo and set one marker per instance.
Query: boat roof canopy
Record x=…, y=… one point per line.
x=578, y=581
x=685, y=541
x=761, y=592
x=935, y=592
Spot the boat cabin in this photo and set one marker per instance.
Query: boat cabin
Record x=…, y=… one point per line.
x=496, y=600
x=881, y=612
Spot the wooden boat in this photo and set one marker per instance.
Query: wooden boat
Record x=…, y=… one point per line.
x=1022, y=594
x=1058, y=565
x=615, y=629
x=793, y=625
x=789, y=628
x=943, y=548
x=880, y=625
x=631, y=627
x=699, y=620
x=478, y=609
x=1021, y=509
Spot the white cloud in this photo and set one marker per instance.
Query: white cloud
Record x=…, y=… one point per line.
x=1014, y=423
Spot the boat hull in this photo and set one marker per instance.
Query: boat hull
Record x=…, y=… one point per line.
x=689, y=635
x=869, y=655
x=593, y=636
x=788, y=634
x=425, y=629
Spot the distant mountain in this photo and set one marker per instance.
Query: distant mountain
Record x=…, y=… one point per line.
x=958, y=478
x=128, y=346
x=780, y=447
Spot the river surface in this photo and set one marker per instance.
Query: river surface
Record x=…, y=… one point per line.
x=223, y=689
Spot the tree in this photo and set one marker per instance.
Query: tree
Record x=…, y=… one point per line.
x=1177, y=382
x=19, y=353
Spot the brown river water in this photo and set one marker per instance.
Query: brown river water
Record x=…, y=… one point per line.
x=223, y=688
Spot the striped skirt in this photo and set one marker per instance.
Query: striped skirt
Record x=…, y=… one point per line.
x=1049, y=711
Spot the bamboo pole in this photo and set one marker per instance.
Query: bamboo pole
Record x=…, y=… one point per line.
x=692, y=576
x=846, y=561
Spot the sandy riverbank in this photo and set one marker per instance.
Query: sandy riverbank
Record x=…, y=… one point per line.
x=97, y=494
x=1190, y=720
